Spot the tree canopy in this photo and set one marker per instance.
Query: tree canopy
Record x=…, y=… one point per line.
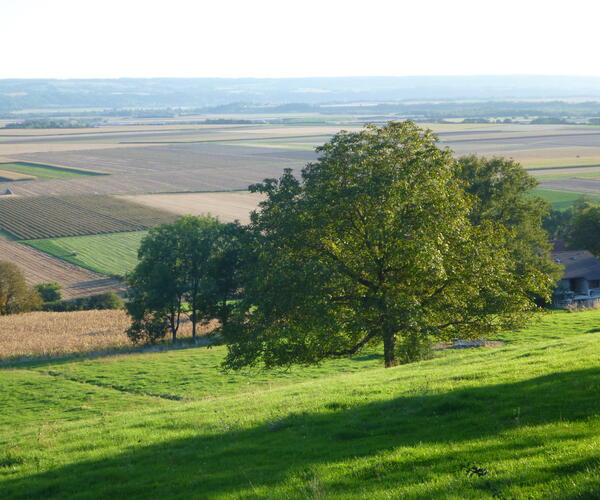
x=185, y=269
x=377, y=241
x=15, y=295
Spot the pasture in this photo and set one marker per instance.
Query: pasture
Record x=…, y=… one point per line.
x=113, y=254
x=170, y=424
x=559, y=200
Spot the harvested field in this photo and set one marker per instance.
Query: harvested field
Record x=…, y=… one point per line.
x=165, y=169
x=227, y=206
x=52, y=217
x=8, y=176
x=583, y=186
x=50, y=334
x=42, y=268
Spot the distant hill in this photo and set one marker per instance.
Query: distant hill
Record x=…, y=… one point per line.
x=16, y=94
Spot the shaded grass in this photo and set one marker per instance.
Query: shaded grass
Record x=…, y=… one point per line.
x=527, y=413
x=104, y=253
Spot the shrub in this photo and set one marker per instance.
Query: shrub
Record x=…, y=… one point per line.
x=148, y=330
x=50, y=292
x=414, y=347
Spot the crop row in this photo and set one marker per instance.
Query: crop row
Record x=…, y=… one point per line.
x=52, y=217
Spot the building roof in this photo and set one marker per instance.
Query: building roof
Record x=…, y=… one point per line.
x=578, y=264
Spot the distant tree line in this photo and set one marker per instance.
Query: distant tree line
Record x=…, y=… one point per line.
x=50, y=123
x=385, y=240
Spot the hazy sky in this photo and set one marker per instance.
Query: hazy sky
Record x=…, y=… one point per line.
x=269, y=38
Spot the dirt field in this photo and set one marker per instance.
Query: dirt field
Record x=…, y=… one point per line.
x=164, y=169
x=226, y=206
x=584, y=186
x=42, y=268
x=50, y=334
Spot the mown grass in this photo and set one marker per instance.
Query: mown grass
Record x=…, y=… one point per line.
x=104, y=253
x=45, y=171
x=528, y=413
x=560, y=200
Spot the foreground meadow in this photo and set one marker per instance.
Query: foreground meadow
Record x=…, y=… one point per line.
x=523, y=419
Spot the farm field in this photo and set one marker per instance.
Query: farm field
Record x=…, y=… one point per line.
x=42, y=335
x=48, y=217
x=112, y=254
x=40, y=267
x=45, y=171
x=226, y=206
x=170, y=424
x=560, y=200
x=185, y=158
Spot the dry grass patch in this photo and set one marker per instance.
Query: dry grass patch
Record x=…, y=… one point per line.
x=51, y=334
x=227, y=206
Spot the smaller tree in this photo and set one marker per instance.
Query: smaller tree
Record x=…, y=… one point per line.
x=15, y=295
x=49, y=292
x=186, y=269
x=583, y=232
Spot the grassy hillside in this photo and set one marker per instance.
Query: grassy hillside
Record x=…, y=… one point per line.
x=169, y=425
x=104, y=253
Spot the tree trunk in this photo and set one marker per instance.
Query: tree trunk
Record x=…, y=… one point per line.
x=389, y=349
x=194, y=325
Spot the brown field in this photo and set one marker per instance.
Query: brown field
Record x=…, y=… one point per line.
x=6, y=176
x=42, y=268
x=167, y=168
x=54, y=217
x=52, y=334
x=227, y=206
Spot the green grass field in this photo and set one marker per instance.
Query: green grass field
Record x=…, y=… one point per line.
x=560, y=200
x=45, y=171
x=104, y=253
x=170, y=425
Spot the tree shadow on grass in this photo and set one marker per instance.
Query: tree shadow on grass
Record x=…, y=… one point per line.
x=406, y=443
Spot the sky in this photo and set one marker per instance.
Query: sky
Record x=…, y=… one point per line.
x=301, y=38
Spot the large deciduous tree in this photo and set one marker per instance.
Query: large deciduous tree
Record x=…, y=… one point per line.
x=375, y=243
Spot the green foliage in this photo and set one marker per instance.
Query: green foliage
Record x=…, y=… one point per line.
x=186, y=268
x=107, y=300
x=15, y=295
x=584, y=228
x=502, y=190
x=378, y=241
x=413, y=347
x=49, y=292
x=48, y=123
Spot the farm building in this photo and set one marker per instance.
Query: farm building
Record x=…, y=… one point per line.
x=581, y=278
x=6, y=191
